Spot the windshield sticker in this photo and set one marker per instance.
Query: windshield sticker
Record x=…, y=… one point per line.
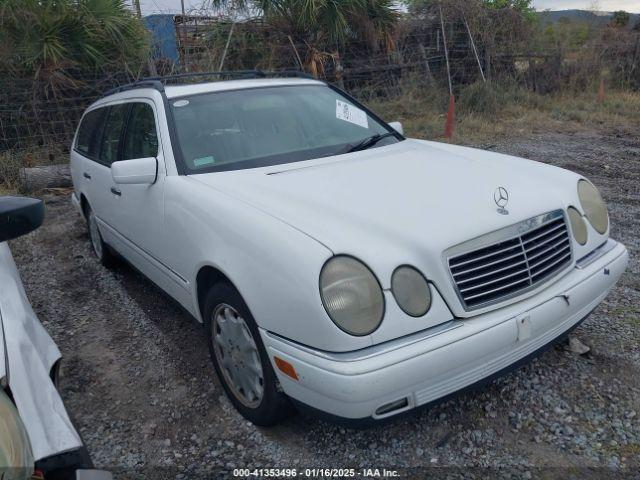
x=181, y=103
x=203, y=161
x=351, y=114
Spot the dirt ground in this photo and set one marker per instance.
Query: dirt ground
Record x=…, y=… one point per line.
x=140, y=385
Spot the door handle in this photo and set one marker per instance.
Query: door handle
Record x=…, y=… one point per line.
x=115, y=191
x=86, y=175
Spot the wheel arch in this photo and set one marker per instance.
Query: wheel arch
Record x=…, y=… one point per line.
x=84, y=204
x=207, y=276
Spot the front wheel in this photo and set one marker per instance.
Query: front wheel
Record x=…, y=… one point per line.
x=99, y=247
x=240, y=358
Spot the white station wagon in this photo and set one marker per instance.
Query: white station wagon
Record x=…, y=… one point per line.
x=336, y=264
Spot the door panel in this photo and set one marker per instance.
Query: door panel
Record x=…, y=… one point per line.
x=103, y=201
x=85, y=151
x=139, y=218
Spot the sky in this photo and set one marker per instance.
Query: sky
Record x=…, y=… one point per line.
x=173, y=6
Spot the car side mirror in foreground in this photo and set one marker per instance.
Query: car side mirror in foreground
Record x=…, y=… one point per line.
x=19, y=216
x=140, y=171
x=397, y=126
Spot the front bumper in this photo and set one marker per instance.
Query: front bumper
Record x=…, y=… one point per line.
x=432, y=364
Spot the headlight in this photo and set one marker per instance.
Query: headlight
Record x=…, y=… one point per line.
x=15, y=449
x=594, y=207
x=351, y=295
x=578, y=226
x=411, y=291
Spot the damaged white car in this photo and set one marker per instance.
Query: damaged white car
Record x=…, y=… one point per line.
x=333, y=261
x=37, y=437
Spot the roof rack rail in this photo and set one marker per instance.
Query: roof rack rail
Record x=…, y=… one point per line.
x=158, y=83
x=142, y=83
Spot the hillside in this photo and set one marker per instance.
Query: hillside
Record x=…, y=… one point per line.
x=598, y=18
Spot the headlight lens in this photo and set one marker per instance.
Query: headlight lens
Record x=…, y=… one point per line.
x=15, y=449
x=411, y=291
x=351, y=295
x=578, y=226
x=594, y=207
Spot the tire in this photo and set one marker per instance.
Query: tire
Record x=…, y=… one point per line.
x=228, y=319
x=100, y=249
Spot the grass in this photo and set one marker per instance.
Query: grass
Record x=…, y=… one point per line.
x=10, y=164
x=486, y=113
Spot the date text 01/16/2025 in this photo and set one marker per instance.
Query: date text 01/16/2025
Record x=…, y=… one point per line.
x=315, y=472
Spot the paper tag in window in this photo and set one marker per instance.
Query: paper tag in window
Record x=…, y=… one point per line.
x=351, y=114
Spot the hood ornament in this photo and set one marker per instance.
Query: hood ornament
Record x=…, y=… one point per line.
x=501, y=197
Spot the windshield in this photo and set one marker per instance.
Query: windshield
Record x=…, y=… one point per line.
x=258, y=127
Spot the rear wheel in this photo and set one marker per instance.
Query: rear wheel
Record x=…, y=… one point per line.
x=240, y=358
x=100, y=248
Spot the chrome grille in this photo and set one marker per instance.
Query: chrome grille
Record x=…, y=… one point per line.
x=516, y=259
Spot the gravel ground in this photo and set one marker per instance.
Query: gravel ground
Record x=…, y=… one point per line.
x=144, y=395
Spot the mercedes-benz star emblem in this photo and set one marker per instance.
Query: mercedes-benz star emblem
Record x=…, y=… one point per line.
x=501, y=197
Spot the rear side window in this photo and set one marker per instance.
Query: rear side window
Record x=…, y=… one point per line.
x=112, y=132
x=88, y=141
x=141, y=139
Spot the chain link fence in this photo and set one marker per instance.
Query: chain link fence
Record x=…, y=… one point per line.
x=428, y=51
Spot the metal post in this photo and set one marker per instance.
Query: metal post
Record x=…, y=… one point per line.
x=446, y=50
x=473, y=44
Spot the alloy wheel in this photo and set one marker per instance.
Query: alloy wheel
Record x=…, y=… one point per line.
x=237, y=355
x=94, y=233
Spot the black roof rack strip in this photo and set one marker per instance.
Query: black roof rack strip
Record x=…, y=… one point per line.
x=158, y=83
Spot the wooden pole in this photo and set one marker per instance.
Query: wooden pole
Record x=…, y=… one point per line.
x=473, y=44
x=295, y=50
x=426, y=63
x=136, y=3
x=183, y=34
x=601, y=91
x=226, y=47
x=338, y=68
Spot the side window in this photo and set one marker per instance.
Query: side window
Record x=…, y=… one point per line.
x=141, y=139
x=88, y=141
x=112, y=133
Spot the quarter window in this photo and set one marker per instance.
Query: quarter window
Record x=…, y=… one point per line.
x=141, y=139
x=112, y=133
x=88, y=141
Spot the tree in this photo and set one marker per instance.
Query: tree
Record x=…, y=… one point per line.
x=523, y=7
x=333, y=20
x=59, y=40
x=620, y=19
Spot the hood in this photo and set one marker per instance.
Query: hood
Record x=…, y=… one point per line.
x=402, y=203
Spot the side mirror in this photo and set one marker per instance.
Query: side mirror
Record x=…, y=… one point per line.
x=140, y=171
x=19, y=216
x=397, y=126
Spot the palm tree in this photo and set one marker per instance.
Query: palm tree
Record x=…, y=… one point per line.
x=326, y=25
x=59, y=41
x=335, y=20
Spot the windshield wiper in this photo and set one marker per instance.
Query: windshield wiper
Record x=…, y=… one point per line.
x=368, y=142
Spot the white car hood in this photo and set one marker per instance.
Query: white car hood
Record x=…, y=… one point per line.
x=402, y=203
x=28, y=353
